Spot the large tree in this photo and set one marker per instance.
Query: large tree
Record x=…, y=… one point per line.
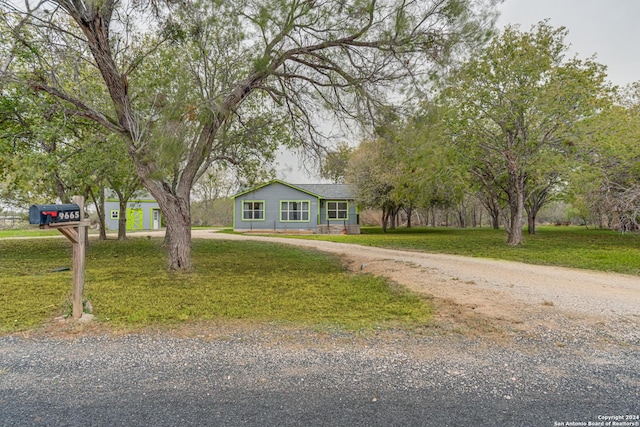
x=374, y=174
x=48, y=155
x=334, y=163
x=405, y=167
x=195, y=82
x=435, y=179
x=605, y=184
x=516, y=102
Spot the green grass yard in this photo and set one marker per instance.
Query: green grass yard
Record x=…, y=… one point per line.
x=30, y=232
x=129, y=286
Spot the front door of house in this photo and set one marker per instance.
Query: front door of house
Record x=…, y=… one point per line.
x=134, y=219
x=156, y=219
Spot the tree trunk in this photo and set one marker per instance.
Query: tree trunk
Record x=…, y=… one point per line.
x=474, y=220
x=531, y=222
x=515, y=236
x=179, y=243
x=495, y=220
x=122, y=218
x=385, y=217
x=516, y=208
x=393, y=215
x=534, y=202
x=177, y=214
x=493, y=208
x=99, y=202
x=462, y=217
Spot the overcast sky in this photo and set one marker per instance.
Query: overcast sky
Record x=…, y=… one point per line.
x=609, y=30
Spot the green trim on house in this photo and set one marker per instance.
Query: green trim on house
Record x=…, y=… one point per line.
x=116, y=200
x=301, y=211
x=264, y=209
x=114, y=214
x=276, y=181
x=135, y=218
x=234, y=214
x=326, y=210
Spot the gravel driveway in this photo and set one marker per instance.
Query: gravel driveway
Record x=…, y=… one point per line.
x=502, y=295
x=513, y=346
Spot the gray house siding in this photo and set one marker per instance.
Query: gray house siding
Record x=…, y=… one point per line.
x=282, y=207
x=272, y=196
x=352, y=212
x=142, y=214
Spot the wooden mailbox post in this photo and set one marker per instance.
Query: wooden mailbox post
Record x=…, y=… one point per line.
x=70, y=221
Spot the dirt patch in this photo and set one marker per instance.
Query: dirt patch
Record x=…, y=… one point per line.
x=460, y=306
x=500, y=298
x=480, y=308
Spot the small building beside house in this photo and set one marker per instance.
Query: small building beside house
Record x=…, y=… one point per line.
x=143, y=213
x=281, y=207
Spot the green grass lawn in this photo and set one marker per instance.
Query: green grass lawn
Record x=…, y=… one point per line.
x=576, y=247
x=30, y=232
x=257, y=281
x=129, y=286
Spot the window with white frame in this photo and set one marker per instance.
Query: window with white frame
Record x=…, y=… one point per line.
x=294, y=210
x=253, y=210
x=338, y=210
x=114, y=214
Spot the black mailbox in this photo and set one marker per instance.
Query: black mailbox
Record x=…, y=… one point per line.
x=53, y=214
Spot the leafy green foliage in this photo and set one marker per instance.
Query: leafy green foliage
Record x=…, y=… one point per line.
x=514, y=108
x=334, y=163
x=409, y=165
x=130, y=287
x=604, y=187
x=189, y=84
x=372, y=174
x=435, y=175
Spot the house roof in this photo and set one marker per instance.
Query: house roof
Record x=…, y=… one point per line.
x=323, y=191
x=328, y=191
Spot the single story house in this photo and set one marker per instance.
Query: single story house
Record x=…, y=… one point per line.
x=278, y=206
x=143, y=213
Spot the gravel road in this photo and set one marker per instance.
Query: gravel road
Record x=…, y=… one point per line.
x=512, y=346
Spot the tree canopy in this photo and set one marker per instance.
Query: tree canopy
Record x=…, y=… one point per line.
x=514, y=107
x=188, y=84
x=604, y=184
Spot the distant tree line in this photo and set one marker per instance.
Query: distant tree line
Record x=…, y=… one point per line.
x=513, y=129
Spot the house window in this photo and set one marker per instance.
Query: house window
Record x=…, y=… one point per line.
x=337, y=210
x=297, y=210
x=253, y=210
x=114, y=214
